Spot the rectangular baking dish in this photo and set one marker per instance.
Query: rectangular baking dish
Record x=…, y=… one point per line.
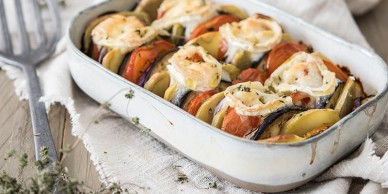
x=252, y=165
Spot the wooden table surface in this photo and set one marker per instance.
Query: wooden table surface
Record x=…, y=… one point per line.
x=15, y=122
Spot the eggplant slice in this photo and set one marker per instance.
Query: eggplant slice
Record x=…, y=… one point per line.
x=271, y=118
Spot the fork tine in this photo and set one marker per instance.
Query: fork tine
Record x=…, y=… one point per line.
x=25, y=41
x=40, y=33
x=4, y=30
x=54, y=11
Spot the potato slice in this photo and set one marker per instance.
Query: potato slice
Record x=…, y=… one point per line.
x=170, y=92
x=304, y=122
x=242, y=60
x=112, y=60
x=158, y=83
x=287, y=37
x=205, y=112
x=210, y=42
x=219, y=117
x=229, y=72
x=233, y=10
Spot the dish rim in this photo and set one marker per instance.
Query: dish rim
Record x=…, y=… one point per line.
x=311, y=27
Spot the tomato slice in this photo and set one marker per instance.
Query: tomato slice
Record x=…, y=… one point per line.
x=251, y=74
x=239, y=125
x=281, y=52
x=302, y=99
x=214, y=24
x=142, y=57
x=338, y=71
x=196, y=103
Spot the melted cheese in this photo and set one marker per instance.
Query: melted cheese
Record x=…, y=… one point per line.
x=125, y=33
x=253, y=99
x=256, y=35
x=303, y=72
x=189, y=13
x=195, y=69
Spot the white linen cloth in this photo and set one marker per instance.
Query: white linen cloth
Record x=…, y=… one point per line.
x=140, y=163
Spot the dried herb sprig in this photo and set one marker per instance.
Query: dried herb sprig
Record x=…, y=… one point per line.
x=48, y=179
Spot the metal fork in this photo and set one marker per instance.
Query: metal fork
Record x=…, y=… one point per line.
x=28, y=60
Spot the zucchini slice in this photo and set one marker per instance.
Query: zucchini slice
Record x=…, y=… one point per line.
x=150, y=7
x=345, y=102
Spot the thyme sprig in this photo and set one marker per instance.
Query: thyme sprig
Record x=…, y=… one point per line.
x=48, y=179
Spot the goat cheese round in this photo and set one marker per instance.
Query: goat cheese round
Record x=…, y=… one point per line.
x=254, y=99
x=124, y=33
x=189, y=13
x=195, y=69
x=303, y=72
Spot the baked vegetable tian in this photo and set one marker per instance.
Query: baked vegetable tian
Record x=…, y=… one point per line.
x=242, y=74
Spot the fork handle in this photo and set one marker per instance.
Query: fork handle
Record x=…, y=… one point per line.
x=40, y=125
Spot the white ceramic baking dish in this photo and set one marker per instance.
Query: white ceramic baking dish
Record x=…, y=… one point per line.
x=249, y=164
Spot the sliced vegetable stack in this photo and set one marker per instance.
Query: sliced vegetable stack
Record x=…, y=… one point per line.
x=241, y=74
